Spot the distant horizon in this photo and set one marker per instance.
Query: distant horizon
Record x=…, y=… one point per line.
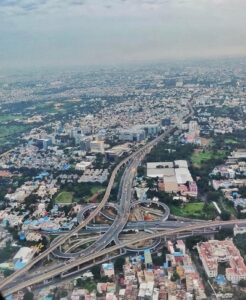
x=59, y=34
x=151, y=63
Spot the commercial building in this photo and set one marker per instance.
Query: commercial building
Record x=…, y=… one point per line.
x=81, y=166
x=174, y=177
x=239, y=154
x=23, y=256
x=132, y=135
x=43, y=143
x=150, y=129
x=97, y=147
x=117, y=151
x=214, y=252
x=166, y=122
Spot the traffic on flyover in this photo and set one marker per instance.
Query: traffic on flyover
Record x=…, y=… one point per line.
x=101, y=246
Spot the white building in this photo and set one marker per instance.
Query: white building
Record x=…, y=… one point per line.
x=25, y=254
x=83, y=165
x=97, y=147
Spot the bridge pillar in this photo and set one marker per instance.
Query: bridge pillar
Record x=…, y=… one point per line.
x=48, y=257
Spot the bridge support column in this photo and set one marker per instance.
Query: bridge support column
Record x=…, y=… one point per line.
x=48, y=257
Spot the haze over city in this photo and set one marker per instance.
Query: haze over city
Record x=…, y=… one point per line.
x=123, y=149
x=40, y=33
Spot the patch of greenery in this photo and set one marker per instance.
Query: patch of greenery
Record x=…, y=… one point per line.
x=201, y=157
x=64, y=198
x=231, y=142
x=87, y=284
x=7, y=252
x=9, y=117
x=83, y=191
x=167, y=152
x=8, y=134
x=240, y=241
x=196, y=210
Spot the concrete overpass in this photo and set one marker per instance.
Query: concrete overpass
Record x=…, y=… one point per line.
x=192, y=229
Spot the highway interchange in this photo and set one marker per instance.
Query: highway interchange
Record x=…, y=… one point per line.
x=101, y=247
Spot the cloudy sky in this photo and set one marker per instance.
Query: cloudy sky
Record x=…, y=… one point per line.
x=83, y=32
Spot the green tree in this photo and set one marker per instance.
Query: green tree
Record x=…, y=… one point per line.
x=175, y=276
x=96, y=271
x=242, y=283
x=119, y=262
x=213, y=196
x=28, y=296
x=225, y=215
x=223, y=234
x=193, y=241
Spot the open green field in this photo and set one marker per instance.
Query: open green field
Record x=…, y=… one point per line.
x=64, y=198
x=194, y=210
x=231, y=142
x=8, y=132
x=8, y=117
x=94, y=190
x=97, y=189
x=198, y=158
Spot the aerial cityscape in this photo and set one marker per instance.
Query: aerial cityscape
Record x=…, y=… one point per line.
x=122, y=180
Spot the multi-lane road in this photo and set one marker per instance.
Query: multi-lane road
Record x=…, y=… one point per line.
x=134, y=159
x=105, y=252
x=99, y=247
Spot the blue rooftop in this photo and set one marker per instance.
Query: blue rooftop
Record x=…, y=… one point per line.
x=220, y=279
x=42, y=175
x=108, y=266
x=178, y=254
x=19, y=265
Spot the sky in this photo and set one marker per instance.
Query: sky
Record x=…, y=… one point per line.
x=62, y=33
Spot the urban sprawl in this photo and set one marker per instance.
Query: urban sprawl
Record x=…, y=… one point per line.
x=124, y=184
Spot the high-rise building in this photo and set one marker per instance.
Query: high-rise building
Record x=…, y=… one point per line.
x=132, y=135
